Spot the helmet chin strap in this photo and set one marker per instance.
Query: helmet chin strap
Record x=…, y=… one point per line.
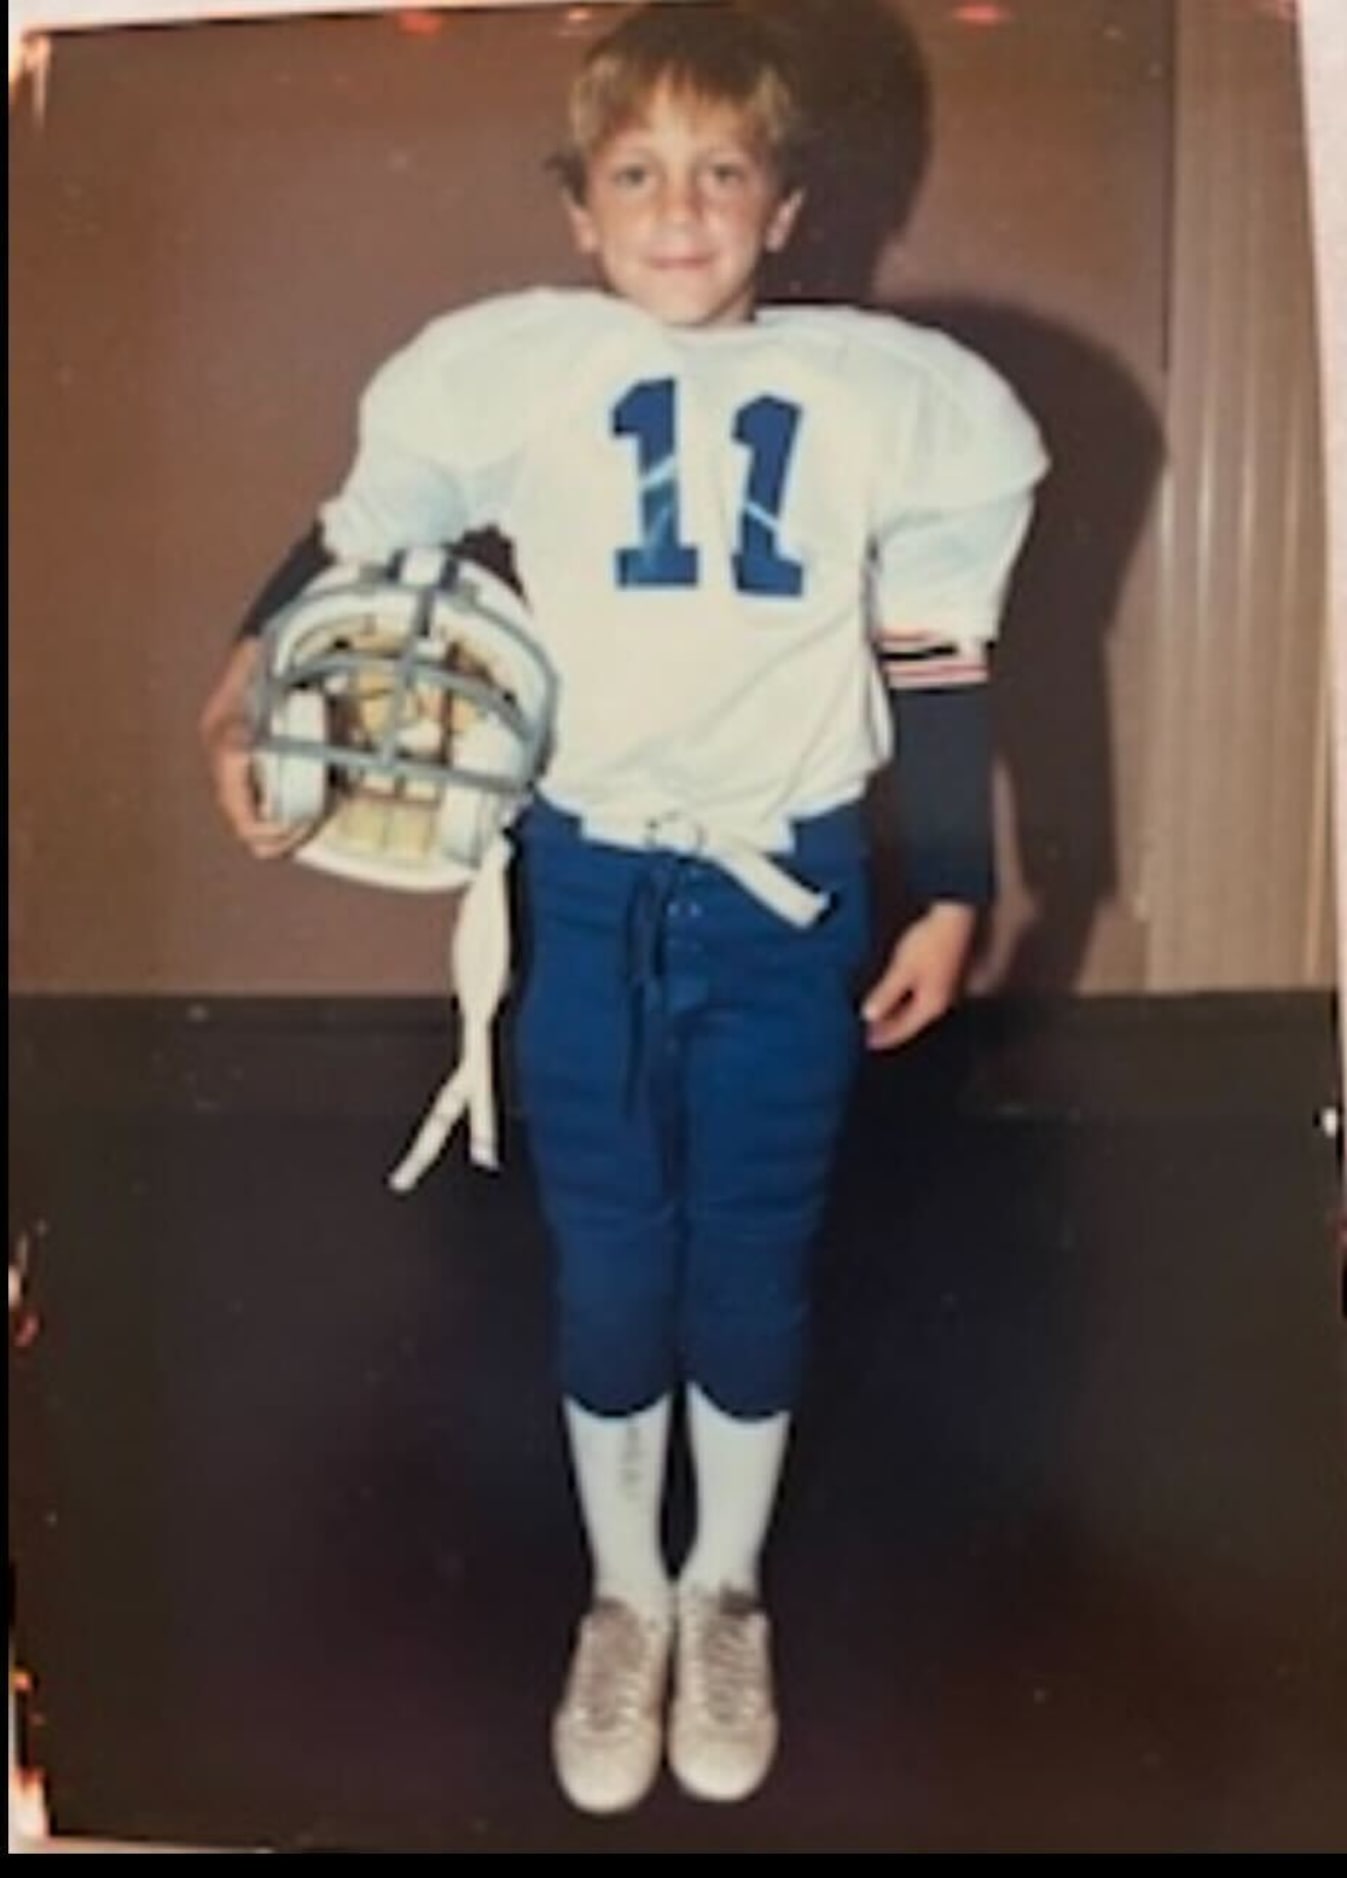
x=480, y=963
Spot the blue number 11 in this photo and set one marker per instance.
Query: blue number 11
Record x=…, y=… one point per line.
x=767, y=428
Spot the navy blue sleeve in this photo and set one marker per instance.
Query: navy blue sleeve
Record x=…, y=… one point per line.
x=306, y=560
x=943, y=740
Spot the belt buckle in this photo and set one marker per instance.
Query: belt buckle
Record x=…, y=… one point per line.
x=677, y=832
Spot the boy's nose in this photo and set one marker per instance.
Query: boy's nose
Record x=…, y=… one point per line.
x=680, y=198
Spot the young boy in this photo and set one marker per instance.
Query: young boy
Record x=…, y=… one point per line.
x=731, y=524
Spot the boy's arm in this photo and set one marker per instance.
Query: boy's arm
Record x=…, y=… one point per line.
x=942, y=727
x=398, y=493
x=961, y=460
x=225, y=724
x=226, y=732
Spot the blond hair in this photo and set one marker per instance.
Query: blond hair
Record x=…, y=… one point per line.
x=702, y=51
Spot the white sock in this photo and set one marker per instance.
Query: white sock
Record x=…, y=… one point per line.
x=737, y=1467
x=618, y=1463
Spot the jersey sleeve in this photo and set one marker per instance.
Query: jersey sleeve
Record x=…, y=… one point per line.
x=438, y=426
x=960, y=462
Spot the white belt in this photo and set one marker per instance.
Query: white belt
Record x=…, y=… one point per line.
x=480, y=960
x=738, y=852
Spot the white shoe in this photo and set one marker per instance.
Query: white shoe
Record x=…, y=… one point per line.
x=723, y=1729
x=607, y=1733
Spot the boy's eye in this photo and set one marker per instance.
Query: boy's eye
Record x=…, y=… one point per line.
x=729, y=173
x=630, y=175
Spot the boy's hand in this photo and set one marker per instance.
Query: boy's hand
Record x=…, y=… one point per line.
x=921, y=980
x=227, y=738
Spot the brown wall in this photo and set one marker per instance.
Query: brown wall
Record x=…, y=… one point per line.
x=219, y=231
x=1237, y=870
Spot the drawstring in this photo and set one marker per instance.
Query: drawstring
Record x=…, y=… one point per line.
x=646, y=971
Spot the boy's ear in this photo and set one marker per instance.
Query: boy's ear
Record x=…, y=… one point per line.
x=581, y=222
x=784, y=217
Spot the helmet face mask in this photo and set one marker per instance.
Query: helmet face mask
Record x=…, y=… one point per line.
x=402, y=715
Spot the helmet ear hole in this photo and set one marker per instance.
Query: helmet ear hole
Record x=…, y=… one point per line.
x=292, y=786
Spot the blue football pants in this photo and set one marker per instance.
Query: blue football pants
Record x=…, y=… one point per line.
x=685, y=1061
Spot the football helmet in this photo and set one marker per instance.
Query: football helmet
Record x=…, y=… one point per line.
x=400, y=714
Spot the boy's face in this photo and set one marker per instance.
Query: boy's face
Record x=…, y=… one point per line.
x=679, y=209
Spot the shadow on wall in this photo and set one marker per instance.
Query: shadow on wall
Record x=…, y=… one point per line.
x=871, y=102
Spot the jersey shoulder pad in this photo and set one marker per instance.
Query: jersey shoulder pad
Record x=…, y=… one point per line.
x=952, y=426
x=478, y=375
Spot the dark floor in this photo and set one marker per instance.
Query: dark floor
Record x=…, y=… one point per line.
x=1062, y=1562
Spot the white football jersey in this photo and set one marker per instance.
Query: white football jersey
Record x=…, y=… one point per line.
x=714, y=529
